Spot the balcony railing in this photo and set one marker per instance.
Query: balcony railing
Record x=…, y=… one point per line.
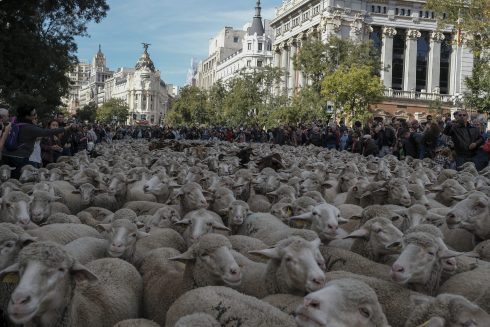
x=415, y=95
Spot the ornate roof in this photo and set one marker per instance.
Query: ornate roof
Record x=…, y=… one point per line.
x=257, y=26
x=145, y=62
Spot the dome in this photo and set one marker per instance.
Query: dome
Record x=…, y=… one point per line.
x=145, y=62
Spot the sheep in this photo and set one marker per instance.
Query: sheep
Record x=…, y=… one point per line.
x=343, y=302
x=65, y=190
x=376, y=239
x=222, y=199
x=200, y=222
x=5, y=172
x=162, y=282
x=197, y=320
x=87, y=249
x=447, y=190
x=191, y=197
x=98, y=214
x=446, y=310
x=237, y=211
x=282, y=211
x=136, y=323
x=412, y=216
x=270, y=229
x=302, y=205
x=394, y=299
x=9, y=186
x=420, y=263
x=44, y=205
x=164, y=217
x=47, y=280
x=28, y=174
x=15, y=208
x=245, y=244
x=345, y=260
x=482, y=250
x=63, y=233
x=283, y=191
x=228, y=307
x=62, y=218
x=158, y=188
x=143, y=207
x=325, y=219
x=472, y=213
x=91, y=196
x=295, y=266
x=258, y=202
x=12, y=239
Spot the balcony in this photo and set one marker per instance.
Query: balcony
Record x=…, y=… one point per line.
x=414, y=95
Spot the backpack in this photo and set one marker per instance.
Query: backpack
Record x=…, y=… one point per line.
x=11, y=143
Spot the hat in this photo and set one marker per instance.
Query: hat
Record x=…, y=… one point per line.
x=367, y=136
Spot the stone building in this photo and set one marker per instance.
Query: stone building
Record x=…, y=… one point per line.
x=142, y=88
x=422, y=62
x=255, y=51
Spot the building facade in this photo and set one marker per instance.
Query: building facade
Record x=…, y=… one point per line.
x=142, y=89
x=233, y=50
x=255, y=52
x=92, y=90
x=78, y=76
x=420, y=61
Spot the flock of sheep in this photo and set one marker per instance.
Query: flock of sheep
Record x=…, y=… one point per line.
x=218, y=234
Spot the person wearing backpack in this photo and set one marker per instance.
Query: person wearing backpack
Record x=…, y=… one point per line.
x=23, y=134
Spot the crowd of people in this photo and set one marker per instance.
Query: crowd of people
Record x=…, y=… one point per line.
x=450, y=141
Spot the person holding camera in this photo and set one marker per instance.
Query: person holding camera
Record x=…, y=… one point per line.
x=4, y=128
x=28, y=132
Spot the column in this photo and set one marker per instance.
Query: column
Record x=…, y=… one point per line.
x=300, y=72
x=147, y=101
x=434, y=62
x=455, y=69
x=387, y=56
x=284, y=65
x=292, y=74
x=410, y=66
x=277, y=64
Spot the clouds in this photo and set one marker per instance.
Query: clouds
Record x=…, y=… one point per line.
x=177, y=30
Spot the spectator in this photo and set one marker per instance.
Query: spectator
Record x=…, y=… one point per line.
x=4, y=128
x=369, y=146
x=409, y=144
x=466, y=138
x=51, y=145
x=430, y=140
x=443, y=158
x=35, y=157
x=28, y=133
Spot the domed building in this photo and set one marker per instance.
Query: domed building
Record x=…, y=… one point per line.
x=142, y=88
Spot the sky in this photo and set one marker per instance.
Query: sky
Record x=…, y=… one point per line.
x=177, y=31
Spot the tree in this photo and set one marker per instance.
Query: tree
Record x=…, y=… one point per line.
x=88, y=112
x=316, y=59
x=352, y=89
x=113, y=109
x=478, y=94
x=472, y=17
x=216, y=98
x=306, y=106
x=37, y=48
x=190, y=108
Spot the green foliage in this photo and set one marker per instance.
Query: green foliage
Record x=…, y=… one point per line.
x=352, y=89
x=473, y=17
x=191, y=108
x=113, y=108
x=478, y=94
x=316, y=59
x=306, y=107
x=37, y=48
x=88, y=112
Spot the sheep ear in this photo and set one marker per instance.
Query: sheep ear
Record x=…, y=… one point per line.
x=459, y=197
x=184, y=257
x=103, y=227
x=141, y=234
x=305, y=217
x=316, y=243
x=183, y=222
x=419, y=299
x=220, y=226
x=54, y=197
x=360, y=233
x=447, y=254
x=472, y=254
x=80, y=272
x=10, y=273
x=27, y=239
x=342, y=221
x=271, y=253
x=436, y=188
x=75, y=192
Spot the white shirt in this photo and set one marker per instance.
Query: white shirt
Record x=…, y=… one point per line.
x=36, y=152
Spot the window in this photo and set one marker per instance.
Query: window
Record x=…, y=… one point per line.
x=402, y=12
x=260, y=46
x=432, y=15
x=249, y=46
x=316, y=10
x=249, y=63
x=378, y=9
x=426, y=14
x=236, y=39
x=409, y=12
x=259, y=63
x=421, y=14
x=396, y=11
x=384, y=10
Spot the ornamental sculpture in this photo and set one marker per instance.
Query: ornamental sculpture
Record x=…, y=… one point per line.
x=389, y=31
x=336, y=21
x=437, y=36
x=358, y=24
x=413, y=34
